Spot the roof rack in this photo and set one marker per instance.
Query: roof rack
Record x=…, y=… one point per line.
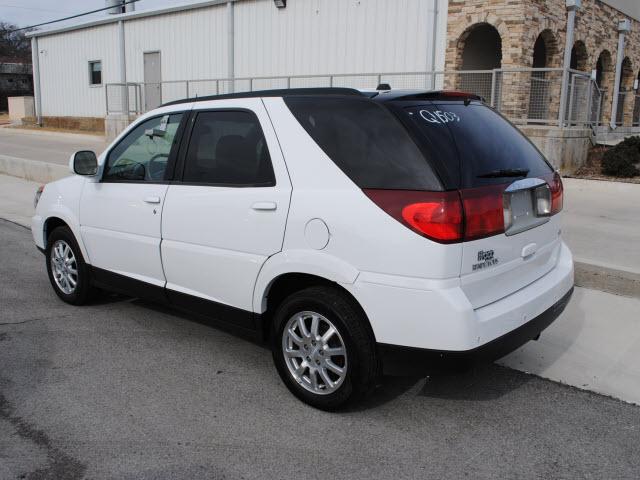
x=281, y=92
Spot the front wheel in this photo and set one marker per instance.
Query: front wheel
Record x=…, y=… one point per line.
x=68, y=273
x=323, y=348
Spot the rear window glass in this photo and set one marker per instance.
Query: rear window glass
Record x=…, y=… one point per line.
x=365, y=141
x=488, y=146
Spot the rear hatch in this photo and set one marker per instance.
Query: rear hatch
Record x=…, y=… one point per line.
x=510, y=194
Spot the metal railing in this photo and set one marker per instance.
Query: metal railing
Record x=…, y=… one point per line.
x=524, y=95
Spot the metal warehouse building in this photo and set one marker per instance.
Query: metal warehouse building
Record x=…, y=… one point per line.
x=219, y=46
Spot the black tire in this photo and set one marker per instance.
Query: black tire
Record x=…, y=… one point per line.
x=83, y=290
x=353, y=328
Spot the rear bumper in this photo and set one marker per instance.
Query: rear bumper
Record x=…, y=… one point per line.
x=399, y=360
x=437, y=316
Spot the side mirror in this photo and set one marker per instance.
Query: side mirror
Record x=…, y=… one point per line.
x=154, y=132
x=85, y=162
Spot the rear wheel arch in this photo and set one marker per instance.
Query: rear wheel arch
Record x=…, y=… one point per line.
x=287, y=284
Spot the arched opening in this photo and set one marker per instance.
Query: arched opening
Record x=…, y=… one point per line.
x=636, y=104
x=604, y=69
x=604, y=81
x=625, y=90
x=545, y=51
x=479, y=48
x=579, y=56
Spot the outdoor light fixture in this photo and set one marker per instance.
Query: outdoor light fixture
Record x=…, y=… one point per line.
x=280, y=3
x=624, y=26
x=573, y=4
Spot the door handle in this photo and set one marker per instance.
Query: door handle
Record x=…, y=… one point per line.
x=152, y=199
x=264, y=206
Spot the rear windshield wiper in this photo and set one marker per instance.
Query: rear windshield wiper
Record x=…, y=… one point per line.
x=505, y=172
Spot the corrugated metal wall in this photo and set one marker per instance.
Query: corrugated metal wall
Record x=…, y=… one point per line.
x=332, y=36
x=193, y=44
x=64, y=70
x=308, y=37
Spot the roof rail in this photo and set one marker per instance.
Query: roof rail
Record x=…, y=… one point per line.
x=282, y=92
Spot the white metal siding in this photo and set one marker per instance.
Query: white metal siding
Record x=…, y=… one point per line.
x=193, y=44
x=64, y=70
x=333, y=36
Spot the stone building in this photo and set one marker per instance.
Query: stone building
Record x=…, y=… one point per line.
x=511, y=35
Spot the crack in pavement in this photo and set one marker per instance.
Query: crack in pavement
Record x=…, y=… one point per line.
x=57, y=317
x=60, y=464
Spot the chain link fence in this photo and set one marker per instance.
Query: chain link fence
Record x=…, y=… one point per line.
x=525, y=96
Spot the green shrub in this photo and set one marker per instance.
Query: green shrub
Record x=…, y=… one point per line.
x=622, y=160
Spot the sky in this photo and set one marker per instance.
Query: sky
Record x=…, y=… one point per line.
x=29, y=12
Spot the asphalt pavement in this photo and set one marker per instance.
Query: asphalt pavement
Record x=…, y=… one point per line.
x=123, y=389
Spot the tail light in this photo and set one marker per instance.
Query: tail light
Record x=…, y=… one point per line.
x=483, y=211
x=461, y=215
x=435, y=215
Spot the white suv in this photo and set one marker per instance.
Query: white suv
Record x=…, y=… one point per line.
x=358, y=232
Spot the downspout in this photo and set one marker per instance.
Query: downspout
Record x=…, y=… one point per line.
x=123, y=69
x=572, y=7
x=37, y=94
x=434, y=40
x=624, y=27
x=230, y=46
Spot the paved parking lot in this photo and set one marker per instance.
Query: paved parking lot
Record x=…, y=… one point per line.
x=123, y=389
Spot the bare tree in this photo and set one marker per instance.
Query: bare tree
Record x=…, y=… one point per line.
x=14, y=46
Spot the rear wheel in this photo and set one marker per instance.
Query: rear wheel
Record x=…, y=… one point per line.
x=323, y=348
x=68, y=272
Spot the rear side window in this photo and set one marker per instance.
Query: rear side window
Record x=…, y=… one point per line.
x=365, y=141
x=488, y=146
x=228, y=148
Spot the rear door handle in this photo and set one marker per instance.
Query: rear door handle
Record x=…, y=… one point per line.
x=152, y=199
x=264, y=206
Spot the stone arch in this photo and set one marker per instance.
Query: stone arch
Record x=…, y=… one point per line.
x=546, y=50
x=479, y=47
x=604, y=70
x=626, y=96
x=605, y=77
x=579, y=56
x=545, y=55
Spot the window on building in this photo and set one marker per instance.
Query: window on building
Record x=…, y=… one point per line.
x=228, y=148
x=95, y=73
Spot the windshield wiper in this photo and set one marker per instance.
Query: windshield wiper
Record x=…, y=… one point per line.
x=505, y=172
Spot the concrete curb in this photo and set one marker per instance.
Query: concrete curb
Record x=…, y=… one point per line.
x=605, y=279
x=32, y=170
x=9, y=130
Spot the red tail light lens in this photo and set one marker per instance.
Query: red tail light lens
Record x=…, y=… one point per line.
x=483, y=211
x=435, y=215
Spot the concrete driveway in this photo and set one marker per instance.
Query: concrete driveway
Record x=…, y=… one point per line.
x=122, y=390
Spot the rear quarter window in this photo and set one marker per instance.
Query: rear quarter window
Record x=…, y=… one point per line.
x=484, y=140
x=365, y=141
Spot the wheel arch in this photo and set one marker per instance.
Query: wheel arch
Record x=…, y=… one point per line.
x=56, y=220
x=291, y=282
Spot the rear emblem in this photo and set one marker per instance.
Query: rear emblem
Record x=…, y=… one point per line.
x=485, y=259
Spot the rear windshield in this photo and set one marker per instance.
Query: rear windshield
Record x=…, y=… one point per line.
x=365, y=141
x=487, y=146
